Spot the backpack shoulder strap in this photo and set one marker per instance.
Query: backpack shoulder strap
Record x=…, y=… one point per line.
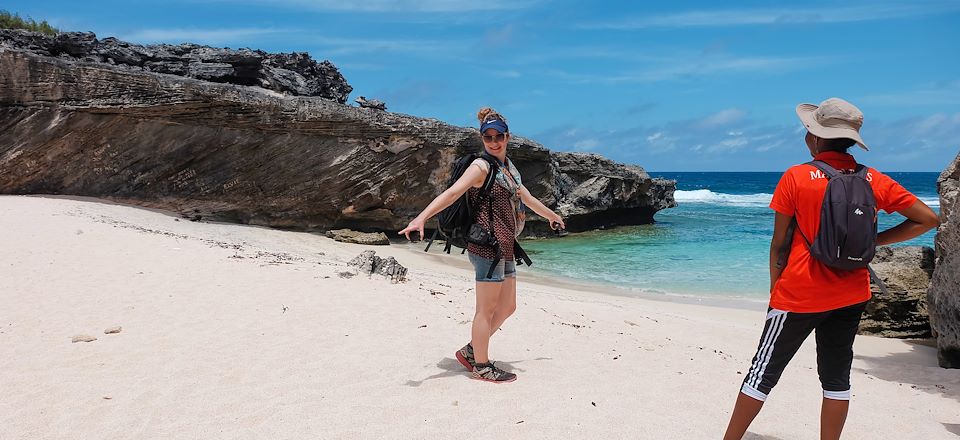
x=861, y=171
x=494, y=168
x=830, y=171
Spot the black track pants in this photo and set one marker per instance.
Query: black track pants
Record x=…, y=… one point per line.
x=783, y=334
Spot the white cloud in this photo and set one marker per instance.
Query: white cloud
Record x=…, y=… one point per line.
x=684, y=66
x=728, y=145
x=507, y=73
x=586, y=144
x=202, y=36
x=395, y=6
x=722, y=118
x=947, y=93
x=343, y=46
x=775, y=16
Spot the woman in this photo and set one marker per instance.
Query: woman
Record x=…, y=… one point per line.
x=496, y=294
x=807, y=295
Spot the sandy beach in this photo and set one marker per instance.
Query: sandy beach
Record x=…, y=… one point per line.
x=242, y=332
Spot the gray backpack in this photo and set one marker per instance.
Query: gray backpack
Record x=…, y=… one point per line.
x=847, y=238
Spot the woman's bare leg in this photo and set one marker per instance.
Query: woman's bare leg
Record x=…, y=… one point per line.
x=488, y=294
x=506, y=303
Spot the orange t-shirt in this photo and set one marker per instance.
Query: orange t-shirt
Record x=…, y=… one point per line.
x=806, y=285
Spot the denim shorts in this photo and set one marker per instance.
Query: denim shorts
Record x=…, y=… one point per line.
x=505, y=268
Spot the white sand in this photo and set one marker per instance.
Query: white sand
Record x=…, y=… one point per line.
x=241, y=332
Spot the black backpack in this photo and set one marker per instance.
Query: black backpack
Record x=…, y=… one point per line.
x=453, y=223
x=847, y=238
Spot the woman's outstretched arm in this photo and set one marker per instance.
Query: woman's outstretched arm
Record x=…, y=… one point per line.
x=537, y=206
x=472, y=177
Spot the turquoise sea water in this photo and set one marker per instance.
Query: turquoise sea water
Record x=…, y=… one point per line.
x=715, y=243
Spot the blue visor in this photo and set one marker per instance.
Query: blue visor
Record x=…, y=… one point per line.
x=495, y=124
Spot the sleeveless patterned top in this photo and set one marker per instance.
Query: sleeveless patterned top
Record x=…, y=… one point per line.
x=504, y=221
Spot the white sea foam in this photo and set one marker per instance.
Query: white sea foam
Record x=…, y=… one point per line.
x=710, y=197
x=707, y=196
x=931, y=202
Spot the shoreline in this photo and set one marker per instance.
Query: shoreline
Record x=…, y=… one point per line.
x=528, y=275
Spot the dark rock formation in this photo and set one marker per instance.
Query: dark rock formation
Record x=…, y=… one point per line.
x=370, y=103
x=902, y=312
x=291, y=73
x=943, y=298
x=368, y=238
x=245, y=154
x=369, y=263
x=598, y=190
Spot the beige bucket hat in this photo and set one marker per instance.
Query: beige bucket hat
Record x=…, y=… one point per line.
x=833, y=119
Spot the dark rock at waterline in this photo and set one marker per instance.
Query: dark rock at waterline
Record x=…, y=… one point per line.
x=597, y=190
x=902, y=311
x=291, y=73
x=368, y=238
x=224, y=151
x=943, y=298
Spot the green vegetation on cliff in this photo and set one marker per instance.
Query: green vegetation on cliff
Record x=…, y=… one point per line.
x=14, y=21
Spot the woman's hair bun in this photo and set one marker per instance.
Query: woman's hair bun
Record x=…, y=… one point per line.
x=485, y=114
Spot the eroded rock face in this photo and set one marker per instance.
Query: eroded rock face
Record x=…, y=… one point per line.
x=292, y=73
x=902, y=312
x=943, y=298
x=229, y=152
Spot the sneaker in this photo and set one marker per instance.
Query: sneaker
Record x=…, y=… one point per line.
x=465, y=356
x=491, y=373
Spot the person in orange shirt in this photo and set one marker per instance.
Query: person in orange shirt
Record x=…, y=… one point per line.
x=806, y=295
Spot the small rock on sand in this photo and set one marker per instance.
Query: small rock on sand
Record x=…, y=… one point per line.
x=112, y=330
x=83, y=338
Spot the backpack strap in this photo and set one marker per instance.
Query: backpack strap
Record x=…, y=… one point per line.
x=876, y=279
x=495, y=262
x=828, y=170
x=520, y=254
x=433, y=237
x=491, y=174
x=861, y=172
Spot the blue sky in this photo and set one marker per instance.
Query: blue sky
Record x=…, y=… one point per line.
x=672, y=87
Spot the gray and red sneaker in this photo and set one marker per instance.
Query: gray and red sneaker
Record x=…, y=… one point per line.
x=491, y=373
x=465, y=356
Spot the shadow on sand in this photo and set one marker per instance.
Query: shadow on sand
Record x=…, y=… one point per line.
x=752, y=436
x=916, y=369
x=451, y=367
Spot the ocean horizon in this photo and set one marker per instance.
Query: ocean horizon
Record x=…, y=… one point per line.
x=714, y=244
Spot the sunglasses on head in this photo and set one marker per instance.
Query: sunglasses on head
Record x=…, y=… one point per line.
x=494, y=138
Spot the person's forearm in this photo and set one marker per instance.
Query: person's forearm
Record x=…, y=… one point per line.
x=774, y=270
x=538, y=207
x=904, y=231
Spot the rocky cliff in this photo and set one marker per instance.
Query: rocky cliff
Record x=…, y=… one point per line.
x=943, y=298
x=292, y=73
x=93, y=122
x=902, y=311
